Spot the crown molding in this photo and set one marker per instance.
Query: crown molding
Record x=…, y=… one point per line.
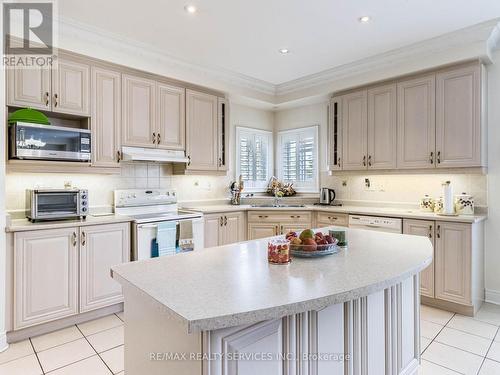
x=469, y=36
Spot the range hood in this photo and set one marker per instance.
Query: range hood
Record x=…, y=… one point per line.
x=153, y=154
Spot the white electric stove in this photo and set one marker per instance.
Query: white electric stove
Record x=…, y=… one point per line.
x=150, y=208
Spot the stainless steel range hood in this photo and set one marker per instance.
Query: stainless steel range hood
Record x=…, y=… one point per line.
x=152, y=154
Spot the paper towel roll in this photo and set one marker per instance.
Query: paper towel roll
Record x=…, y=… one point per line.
x=448, y=207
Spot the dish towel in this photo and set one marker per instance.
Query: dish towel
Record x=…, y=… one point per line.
x=165, y=237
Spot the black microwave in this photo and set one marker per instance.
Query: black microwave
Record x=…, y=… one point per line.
x=47, y=142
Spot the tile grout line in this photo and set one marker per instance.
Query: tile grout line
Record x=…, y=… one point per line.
x=36, y=355
x=432, y=340
x=440, y=365
x=103, y=361
x=485, y=356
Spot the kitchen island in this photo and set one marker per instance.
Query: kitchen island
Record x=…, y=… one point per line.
x=225, y=310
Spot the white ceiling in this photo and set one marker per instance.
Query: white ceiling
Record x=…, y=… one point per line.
x=244, y=36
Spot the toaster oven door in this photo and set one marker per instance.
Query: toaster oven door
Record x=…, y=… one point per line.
x=55, y=205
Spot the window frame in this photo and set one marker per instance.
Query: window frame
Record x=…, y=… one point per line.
x=270, y=156
x=298, y=186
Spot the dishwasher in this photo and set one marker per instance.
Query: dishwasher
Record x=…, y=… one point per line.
x=381, y=224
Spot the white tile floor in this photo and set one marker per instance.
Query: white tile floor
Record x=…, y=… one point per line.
x=451, y=344
x=95, y=347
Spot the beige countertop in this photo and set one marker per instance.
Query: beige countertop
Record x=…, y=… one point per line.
x=408, y=213
x=20, y=225
x=232, y=285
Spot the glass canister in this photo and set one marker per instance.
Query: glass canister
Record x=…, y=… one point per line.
x=278, y=251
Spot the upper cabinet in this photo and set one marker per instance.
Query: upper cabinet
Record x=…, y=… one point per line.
x=382, y=140
x=435, y=120
x=416, y=123
x=170, y=117
x=206, y=132
x=458, y=117
x=63, y=89
x=106, y=117
x=354, y=130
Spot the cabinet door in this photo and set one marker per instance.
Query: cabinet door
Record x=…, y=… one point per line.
x=257, y=231
x=45, y=276
x=423, y=228
x=382, y=140
x=223, y=134
x=138, y=112
x=213, y=225
x=453, y=262
x=233, y=228
x=71, y=88
x=106, y=117
x=354, y=130
x=288, y=227
x=327, y=219
x=458, y=117
x=335, y=134
x=101, y=247
x=202, y=147
x=29, y=88
x=416, y=123
x=170, y=117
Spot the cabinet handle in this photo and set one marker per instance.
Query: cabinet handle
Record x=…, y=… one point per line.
x=158, y=138
x=118, y=155
x=364, y=161
x=84, y=238
x=295, y=217
x=369, y=160
x=282, y=229
x=263, y=216
x=438, y=233
x=332, y=218
x=338, y=161
x=439, y=157
x=221, y=221
x=225, y=220
x=432, y=158
x=74, y=238
x=189, y=160
x=220, y=162
x=154, y=138
x=430, y=231
x=55, y=100
x=47, y=98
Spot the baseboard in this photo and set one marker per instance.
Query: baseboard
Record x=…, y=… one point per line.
x=3, y=342
x=492, y=296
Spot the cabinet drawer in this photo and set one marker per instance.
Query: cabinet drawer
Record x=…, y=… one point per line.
x=279, y=216
x=332, y=218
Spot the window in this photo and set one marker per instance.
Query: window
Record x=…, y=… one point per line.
x=254, y=161
x=298, y=158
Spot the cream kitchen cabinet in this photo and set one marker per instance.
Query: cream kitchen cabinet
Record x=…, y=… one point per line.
x=458, y=118
x=45, y=276
x=106, y=117
x=58, y=273
x=224, y=228
x=354, y=130
x=417, y=122
x=170, y=117
x=102, y=246
x=328, y=219
x=382, y=140
x=423, y=228
x=138, y=111
x=262, y=224
x=65, y=88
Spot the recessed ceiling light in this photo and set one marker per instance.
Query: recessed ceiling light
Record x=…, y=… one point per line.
x=284, y=51
x=365, y=19
x=190, y=9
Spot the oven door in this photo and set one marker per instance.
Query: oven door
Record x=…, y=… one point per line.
x=55, y=205
x=188, y=237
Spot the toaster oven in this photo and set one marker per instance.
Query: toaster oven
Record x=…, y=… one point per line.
x=56, y=204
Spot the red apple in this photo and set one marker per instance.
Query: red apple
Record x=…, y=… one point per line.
x=309, y=244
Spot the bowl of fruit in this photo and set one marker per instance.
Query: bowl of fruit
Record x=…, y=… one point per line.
x=309, y=244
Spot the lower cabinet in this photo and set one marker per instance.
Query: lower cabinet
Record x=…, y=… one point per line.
x=328, y=219
x=257, y=231
x=224, y=228
x=423, y=228
x=63, y=272
x=263, y=224
x=101, y=247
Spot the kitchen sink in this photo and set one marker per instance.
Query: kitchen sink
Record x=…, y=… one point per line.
x=278, y=206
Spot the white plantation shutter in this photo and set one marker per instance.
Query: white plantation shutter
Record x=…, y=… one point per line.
x=254, y=157
x=298, y=158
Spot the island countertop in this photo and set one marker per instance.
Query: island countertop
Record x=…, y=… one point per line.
x=233, y=285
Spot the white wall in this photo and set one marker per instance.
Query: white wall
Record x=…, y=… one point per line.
x=143, y=175
x=492, y=257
